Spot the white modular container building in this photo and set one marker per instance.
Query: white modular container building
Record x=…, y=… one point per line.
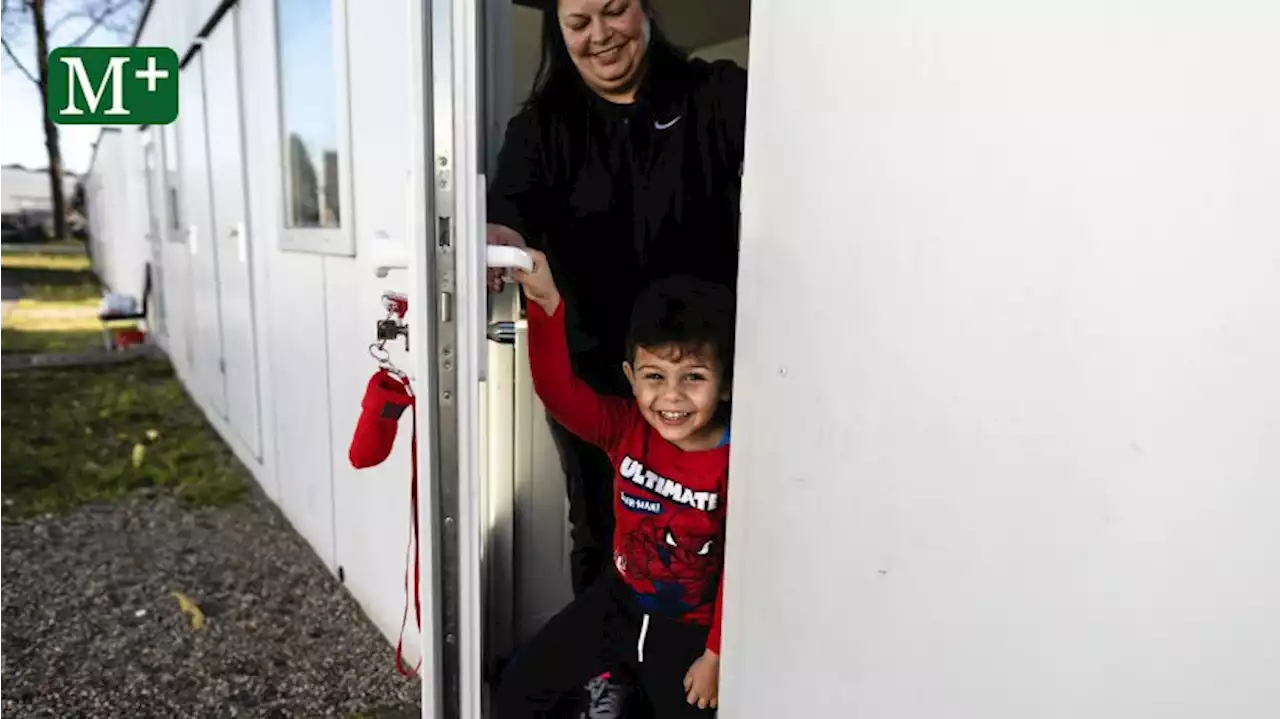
x=302, y=179
x=1007, y=419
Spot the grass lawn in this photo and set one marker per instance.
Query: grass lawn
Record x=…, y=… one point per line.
x=58, y=310
x=83, y=434
x=76, y=435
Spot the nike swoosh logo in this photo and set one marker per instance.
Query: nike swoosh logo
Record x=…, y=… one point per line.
x=669, y=123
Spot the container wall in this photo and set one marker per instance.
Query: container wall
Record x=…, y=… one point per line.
x=273, y=343
x=1007, y=424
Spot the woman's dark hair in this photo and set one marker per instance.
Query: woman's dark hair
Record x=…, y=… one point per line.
x=688, y=316
x=557, y=76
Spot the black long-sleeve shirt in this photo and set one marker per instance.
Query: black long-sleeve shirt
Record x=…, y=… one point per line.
x=621, y=195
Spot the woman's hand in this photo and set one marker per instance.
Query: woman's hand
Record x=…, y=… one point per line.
x=500, y=235
x=702, y=681
x=539, y=286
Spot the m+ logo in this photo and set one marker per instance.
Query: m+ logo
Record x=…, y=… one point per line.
x=112, y=86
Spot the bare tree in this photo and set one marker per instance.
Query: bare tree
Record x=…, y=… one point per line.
x=45, y=22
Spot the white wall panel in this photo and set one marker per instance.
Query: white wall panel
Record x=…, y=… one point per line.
x=293, y=345
x=131, y=255
x=1007, y=424
x=119, y=211
x=177, y=278
x=263, y=196
x=166, y=26
x=301, y=406
x=177, y=288
x=101, y=182
x=373, y=508
x=156, y=230
x=194, y=14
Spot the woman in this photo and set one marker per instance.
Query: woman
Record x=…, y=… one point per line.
x=624, y=166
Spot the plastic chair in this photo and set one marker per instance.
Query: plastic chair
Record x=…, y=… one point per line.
x=139, y=316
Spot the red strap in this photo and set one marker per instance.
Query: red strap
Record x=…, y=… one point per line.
x=411, y=553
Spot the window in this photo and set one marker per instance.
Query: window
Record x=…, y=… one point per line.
x=312, y=124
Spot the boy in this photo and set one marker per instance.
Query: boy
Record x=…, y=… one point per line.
x=657, y=616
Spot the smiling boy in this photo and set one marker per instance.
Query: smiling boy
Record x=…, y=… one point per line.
x=656, y=618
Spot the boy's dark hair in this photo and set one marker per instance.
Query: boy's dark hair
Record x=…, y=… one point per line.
x=687, y=314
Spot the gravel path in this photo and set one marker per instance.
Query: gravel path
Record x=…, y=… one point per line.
x=90, y=627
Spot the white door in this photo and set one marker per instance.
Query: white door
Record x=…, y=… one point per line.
x=208, y=366
x=1007, y=436
x=447, y=273
x=176, y=259
x=153, y=169
x=231, y=236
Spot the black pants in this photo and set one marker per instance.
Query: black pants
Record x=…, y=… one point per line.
x=598, y=632
x=588, y=477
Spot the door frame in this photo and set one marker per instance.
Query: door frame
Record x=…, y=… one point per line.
x=447, y=272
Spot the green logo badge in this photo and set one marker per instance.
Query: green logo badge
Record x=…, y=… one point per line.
x=113, y=86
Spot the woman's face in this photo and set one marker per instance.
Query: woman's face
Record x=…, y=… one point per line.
x=606, y=40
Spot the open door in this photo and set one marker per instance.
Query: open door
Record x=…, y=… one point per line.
x=447, y=275
x=527, y=572
x=494, y=520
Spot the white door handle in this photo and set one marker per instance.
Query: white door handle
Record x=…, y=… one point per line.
x=387, y=254
x=500, y=256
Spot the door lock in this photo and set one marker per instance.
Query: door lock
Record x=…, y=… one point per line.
x=504, y=333
x=393, y=325
x=389, y=330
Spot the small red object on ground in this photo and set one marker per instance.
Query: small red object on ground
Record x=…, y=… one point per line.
x=129, y=337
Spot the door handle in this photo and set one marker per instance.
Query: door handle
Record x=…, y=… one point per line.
x=504, y=333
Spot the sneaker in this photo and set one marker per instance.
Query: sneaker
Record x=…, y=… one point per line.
x=605, y=698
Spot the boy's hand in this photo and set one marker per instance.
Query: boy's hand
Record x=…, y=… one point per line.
x=702, y=681
x=539, y=286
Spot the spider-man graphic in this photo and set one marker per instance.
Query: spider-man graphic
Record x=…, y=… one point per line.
x=678, y=554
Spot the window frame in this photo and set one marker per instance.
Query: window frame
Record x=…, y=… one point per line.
x=340, y=240
x=167, y=141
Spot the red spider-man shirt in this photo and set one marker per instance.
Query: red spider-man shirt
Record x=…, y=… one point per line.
x=668, y=538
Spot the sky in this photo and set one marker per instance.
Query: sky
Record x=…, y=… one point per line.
x=309, y=96
x=22, y=115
